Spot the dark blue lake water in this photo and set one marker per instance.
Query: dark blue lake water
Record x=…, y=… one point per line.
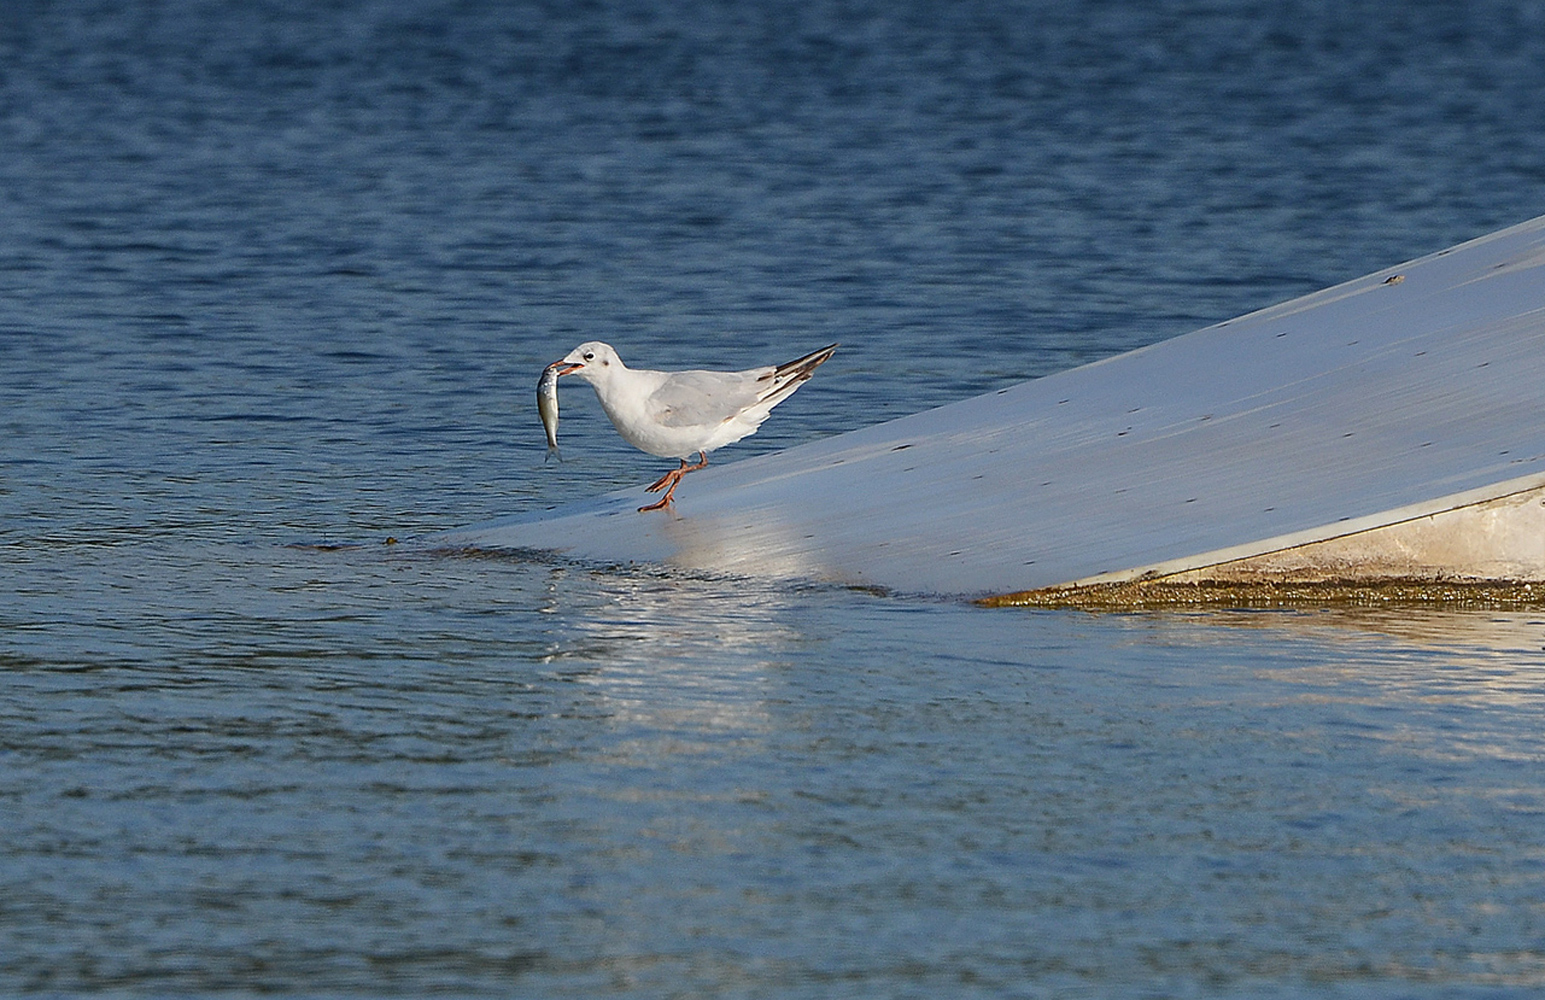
x=280, y=276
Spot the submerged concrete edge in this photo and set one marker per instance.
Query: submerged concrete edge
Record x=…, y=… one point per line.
x=1322, y=533
x=1340, y=563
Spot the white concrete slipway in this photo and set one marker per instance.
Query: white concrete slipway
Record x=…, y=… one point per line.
x=1412, y=397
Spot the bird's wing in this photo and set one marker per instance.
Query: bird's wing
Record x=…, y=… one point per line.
x=698, y=399
x=701, y=399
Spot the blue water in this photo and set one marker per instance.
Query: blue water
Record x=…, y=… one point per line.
x=276, y=281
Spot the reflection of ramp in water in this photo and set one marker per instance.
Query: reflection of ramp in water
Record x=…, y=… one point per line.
x=1393, y=426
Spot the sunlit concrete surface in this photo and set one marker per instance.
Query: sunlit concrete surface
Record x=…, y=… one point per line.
x=1409, y=400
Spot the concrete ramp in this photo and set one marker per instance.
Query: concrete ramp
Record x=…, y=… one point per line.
x=1390, y=427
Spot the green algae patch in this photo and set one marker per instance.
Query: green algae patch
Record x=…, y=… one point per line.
x=1140, y=595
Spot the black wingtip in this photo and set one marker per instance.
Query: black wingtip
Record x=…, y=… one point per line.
x=806, y=364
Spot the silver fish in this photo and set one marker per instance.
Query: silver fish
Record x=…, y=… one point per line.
x=547, y=406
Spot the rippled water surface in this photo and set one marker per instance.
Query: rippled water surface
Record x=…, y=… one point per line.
x=276, y=281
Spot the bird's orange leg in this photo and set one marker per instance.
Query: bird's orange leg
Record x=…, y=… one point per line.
x=668, y=482
x=668, y=479
x=673, y=477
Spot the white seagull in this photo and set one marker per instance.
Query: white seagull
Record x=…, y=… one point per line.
x=678, y=414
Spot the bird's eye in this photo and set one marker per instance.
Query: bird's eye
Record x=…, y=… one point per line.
x=589, y=356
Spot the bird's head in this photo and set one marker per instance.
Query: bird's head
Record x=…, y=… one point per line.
x=591, y=361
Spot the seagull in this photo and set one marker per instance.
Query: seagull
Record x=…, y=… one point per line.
x=679, y=414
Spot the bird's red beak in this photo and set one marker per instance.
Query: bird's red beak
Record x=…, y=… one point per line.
x=574, y=367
